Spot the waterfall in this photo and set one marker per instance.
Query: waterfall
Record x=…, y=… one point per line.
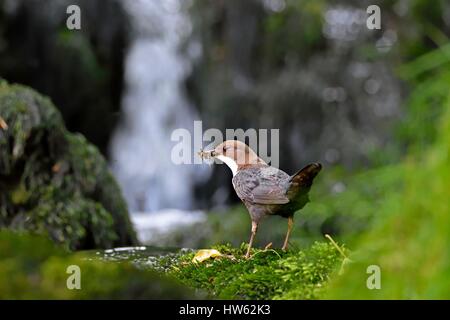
x=154, y=104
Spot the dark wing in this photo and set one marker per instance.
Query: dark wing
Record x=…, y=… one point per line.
x=263, y=185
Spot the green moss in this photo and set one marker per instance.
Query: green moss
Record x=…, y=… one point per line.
x=54, y=181
x=268, y=274
x=32, y=267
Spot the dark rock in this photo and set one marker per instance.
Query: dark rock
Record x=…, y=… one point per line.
x=53, y=181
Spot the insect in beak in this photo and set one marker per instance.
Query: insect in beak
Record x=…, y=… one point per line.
x=207, y=154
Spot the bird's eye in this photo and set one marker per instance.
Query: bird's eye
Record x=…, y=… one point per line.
x=224, y=148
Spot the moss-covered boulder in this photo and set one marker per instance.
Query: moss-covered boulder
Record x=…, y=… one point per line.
x=53, y=181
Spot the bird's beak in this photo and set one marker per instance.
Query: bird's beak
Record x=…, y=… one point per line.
x=207, y=154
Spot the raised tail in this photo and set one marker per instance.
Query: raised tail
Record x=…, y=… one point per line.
x=301, y=182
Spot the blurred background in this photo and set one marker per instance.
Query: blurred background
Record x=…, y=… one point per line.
x=339, y=93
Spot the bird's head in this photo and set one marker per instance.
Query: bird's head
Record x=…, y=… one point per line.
x=234, y=154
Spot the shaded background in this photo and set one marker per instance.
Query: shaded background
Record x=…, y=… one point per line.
x=137, y=70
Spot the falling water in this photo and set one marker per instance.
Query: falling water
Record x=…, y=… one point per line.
x=154, y=104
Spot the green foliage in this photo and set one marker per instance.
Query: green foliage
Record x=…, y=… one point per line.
x=32, y=267
x=268, y=274
x=53, y=181
x=430, y=75
x=410, y=237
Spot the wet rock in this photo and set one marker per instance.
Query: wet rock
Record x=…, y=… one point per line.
x=53, y=181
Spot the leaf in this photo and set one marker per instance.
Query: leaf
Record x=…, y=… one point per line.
x=205, y=254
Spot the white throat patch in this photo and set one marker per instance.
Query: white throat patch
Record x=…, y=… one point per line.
x=230, y=163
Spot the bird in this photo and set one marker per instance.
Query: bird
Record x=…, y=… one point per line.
x=265, y=190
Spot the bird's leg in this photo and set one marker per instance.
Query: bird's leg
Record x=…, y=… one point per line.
x=252, y=237
x=290, y=225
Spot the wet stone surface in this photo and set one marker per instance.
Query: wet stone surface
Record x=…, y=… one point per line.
x=142, y=257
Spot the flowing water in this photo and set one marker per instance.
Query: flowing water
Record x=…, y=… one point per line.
x=155, y=104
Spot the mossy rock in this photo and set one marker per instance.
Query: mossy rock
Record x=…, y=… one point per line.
x=53, y=181
x=32, y=267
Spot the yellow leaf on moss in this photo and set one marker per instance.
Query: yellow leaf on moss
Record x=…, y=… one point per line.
x=205, y=254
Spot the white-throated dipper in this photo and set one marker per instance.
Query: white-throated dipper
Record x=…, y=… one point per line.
x=263, y=189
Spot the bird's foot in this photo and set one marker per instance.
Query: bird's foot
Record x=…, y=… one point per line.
x=268, y=246
x=247, y=255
